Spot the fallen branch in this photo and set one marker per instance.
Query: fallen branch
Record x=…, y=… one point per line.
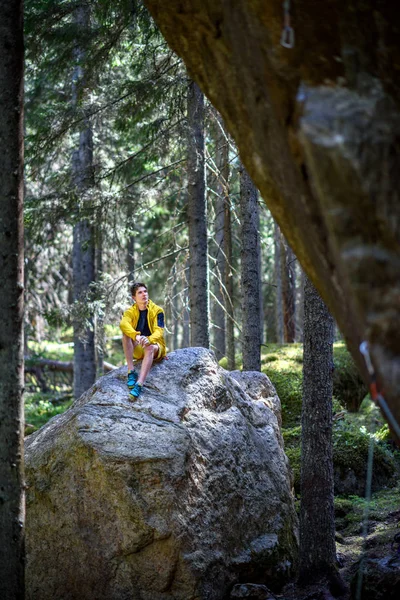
x=32, y=365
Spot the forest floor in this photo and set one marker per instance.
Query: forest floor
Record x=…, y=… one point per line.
x=364, y=529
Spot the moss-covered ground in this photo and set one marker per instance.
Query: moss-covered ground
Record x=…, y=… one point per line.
x=362, y=526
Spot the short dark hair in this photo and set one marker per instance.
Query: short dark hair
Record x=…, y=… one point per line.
x=135, y=286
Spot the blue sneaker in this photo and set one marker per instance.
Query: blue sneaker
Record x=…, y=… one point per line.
x=132, y=379
x=136, y=391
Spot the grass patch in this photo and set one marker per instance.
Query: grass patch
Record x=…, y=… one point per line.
x=63, y=352
x=40, y=407
x=350, y=511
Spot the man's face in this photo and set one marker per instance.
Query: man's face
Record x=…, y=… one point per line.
x=141, y=295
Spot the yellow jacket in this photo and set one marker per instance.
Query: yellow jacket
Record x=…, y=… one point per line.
x=155, y=319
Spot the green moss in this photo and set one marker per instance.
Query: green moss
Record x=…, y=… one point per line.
x=342, y=506
x=39, y=408
x=271, y=358
x=292, y=436
x=351, y=511
x=283, y=365
x=52, y=351
x=294, y=456
x=348, y=387
x=351, y=442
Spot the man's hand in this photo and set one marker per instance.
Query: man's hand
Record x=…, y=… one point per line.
x=142, y=340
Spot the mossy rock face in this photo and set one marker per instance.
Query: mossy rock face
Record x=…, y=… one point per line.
x=350, y=461
x=283, y=364
x=348, y=387
x=350, y=458
x=292, y=439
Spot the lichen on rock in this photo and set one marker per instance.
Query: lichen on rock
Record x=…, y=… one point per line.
x=177, y=496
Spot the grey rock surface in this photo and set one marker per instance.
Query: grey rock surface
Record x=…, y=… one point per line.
x=177, y=496
x=250, y=591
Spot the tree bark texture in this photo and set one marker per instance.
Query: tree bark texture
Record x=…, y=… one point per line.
x=288, y=263
x=317, y=522
x=250, y=274
x=278, y=283
x=227, y=254
x=83, y=258
x=317, y=127
x=197, y=219
x=100, y=340
x=84, y=337
x=300, y=307
x=260, y=270
x=218, y=307
x=230, y=315
x=186, y=313
x=218, y=312
x=131, y=242
x=11, y=302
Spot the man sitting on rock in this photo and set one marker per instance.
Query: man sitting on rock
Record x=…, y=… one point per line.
x=142, y=326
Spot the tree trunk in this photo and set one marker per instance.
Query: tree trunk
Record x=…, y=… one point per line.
x=186, y=314
x=197, y=211
x=174, y=310
x=100, y=341
x=317, y=524
x=250, y=274
x=278, y=283
x=83, y=258
x=131, y=243
x=230, y=326
x=218, y=307
x=229, y=288
x=288, y=263
x=260, y=270
x=84, y=337
x=300, y=306
x=11, y=302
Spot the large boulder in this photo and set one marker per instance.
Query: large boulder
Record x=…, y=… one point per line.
x=179, y=495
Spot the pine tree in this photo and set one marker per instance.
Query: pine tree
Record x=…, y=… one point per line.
x=197, y=219
x=83, y=257
x=279, y=329
x=11, y=302
x=317, y=524
x=250, y=274
x=229, y=278
x=219, y=184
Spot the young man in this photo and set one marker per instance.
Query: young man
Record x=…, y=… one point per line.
x=142, y=326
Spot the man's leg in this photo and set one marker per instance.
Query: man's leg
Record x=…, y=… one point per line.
x=128, y=346
x=150, y=353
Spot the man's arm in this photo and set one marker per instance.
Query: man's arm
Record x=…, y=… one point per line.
x=158, y=329
x=126, y=325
